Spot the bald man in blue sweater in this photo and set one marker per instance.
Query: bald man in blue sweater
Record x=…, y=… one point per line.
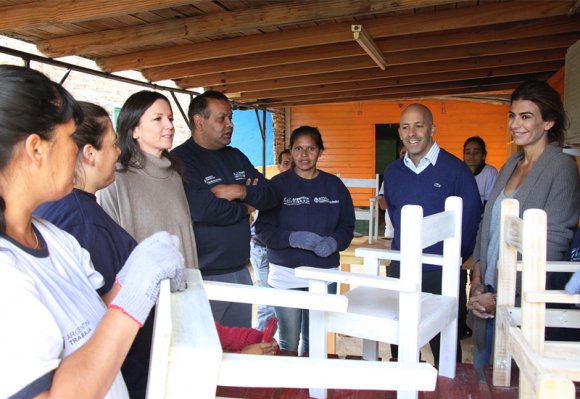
x=426, y=176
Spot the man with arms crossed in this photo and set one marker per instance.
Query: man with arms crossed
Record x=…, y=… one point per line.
x=222, y=189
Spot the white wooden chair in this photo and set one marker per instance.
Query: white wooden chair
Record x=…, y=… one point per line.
x=384, y=309
x=372, y=213
x=547, y=369
x=187, y=359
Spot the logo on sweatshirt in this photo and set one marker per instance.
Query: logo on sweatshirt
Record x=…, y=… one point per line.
x=240, y=175
x=437, y=185
x=296, y=201
x=212, y=179
x=324, y=200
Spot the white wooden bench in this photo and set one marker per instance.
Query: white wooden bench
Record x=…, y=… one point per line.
x=547, y=369
x=187, y=359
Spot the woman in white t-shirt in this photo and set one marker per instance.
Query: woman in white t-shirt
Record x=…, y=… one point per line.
x=58, y=338
x=474, y=153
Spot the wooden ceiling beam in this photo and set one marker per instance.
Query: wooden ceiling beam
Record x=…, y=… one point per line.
x=417, y=95
x=465, y=17
x=394, y=71
x=31, y=14
x=387, y=45
x=452, y=76
x=443, y=88
x=362, y=62
x=223, y=23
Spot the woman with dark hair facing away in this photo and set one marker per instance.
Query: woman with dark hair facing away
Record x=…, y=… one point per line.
x=147, y=194
x=58, y=338
x=313, y=223
x=107, y=243
x=538, y=176
x=474, y=153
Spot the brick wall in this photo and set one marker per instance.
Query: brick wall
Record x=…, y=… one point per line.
x=104, y=92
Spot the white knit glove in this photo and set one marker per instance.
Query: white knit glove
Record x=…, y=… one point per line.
x=155, y=259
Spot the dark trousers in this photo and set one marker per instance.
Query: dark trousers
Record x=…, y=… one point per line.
x=431, y=283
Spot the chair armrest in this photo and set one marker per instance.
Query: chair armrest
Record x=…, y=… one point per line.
x=359, y=279
x=561, y=266
x=275, y=297
x=391, y=254
x=551, y=296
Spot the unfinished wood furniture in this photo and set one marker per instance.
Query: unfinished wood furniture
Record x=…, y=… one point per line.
x=372, y=213
x=546, y=368
x=383, y=309
x=187, y=360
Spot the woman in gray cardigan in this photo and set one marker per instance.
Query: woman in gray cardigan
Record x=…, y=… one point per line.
x=538, y=176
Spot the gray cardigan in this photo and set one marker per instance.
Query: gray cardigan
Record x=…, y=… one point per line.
x=553, y=185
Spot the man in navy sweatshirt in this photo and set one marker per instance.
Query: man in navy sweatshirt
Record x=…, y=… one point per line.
x=222, y=189
x=426, y=176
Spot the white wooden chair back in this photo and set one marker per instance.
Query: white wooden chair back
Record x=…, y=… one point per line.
x=545, y=370
x=372, y=213
x=389, y=309
x=187, y=360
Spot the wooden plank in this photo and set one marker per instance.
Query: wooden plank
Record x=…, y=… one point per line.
x=274, y=297
x=348, y=49
x=359, y=279
x=509, y=49
x=193, y=361
x=220, y=24
x=490, y=14
x=339, y=373
x=412, y=70
x=552, y=296
x=401, y=81
x=506, y=286
x=414, y=91
x=37, y=13
x=419, y=95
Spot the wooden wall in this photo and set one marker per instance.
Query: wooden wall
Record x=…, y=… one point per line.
x=348, y=131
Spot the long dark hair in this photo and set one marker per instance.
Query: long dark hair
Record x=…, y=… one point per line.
x=549, y=102
x=128, y=120
x=91, y=132
x=30, y=103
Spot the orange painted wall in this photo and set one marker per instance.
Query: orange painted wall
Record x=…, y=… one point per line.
x=348, y=131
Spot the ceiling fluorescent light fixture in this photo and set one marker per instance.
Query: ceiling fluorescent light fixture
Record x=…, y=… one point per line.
x=369, y=46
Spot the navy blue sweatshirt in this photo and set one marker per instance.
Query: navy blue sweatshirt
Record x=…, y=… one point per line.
x=321, y=205
x=222, y=228
x=429, y=189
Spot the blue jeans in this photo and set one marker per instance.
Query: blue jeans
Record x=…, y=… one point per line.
x=293, y=324
x=232, y=314
x=259, y=261
x=482, y=357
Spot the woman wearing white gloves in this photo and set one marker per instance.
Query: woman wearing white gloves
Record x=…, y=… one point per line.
x=58, y=338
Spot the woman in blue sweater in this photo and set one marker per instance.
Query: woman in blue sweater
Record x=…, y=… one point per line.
x=312, y=224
